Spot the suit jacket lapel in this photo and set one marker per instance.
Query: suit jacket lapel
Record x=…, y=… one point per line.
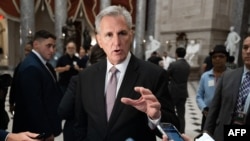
x=33, y=55
x=100, y=75
x=237, y=77
x=126, y=89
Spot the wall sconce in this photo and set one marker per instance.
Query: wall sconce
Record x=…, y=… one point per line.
x=30, y=35
x=63, y=36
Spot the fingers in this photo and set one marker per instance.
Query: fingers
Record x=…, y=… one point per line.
x=32, y=135
x=164, y=138
x=127, y=101
x=142, y=90
x=146, y=93
x=185, y=137
x=130, y=101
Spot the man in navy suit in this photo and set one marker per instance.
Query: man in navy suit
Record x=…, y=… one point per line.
x=224, y=109
x=178, y=72
x=38, y=94
x=142, y=97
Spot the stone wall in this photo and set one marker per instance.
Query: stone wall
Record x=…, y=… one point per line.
x=206, y=21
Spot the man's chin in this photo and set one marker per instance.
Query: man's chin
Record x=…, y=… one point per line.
x=247, y=63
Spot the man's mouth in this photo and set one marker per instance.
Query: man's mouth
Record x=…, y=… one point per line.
x=117, y=50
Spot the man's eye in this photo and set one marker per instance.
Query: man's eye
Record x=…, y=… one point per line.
x=245, y=47
x=109, y=35
x=123, y=33
x=50, y=46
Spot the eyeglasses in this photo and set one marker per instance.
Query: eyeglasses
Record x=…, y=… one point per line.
x=218, y=56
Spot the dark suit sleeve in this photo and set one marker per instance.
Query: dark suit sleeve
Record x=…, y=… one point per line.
x=167, y=106
x=33, y=95
x=12, y=87
x=80, y=114
x=3, y=135
x=66, y=107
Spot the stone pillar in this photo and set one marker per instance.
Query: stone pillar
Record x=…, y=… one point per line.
x=240, y=17
x=151, y=6
x=60, y=21
x=138, y=48
x=27, y=24
x=104, y=3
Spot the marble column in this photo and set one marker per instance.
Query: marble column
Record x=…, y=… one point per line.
x=104, y=3
x=240, y=17
x=151, y=10
x=138, y=46
x=60, y=21
x=27, y=24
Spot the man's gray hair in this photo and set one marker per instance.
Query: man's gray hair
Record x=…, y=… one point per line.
x=113, y=11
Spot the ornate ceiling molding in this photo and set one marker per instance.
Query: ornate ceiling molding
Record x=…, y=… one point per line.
x=76, y=8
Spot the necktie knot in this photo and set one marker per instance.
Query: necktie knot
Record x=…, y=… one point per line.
x=113, y=70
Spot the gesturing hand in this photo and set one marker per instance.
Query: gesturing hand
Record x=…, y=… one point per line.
x=147, y=103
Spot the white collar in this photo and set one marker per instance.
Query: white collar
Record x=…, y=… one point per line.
x=39, y=56
x=122, y=66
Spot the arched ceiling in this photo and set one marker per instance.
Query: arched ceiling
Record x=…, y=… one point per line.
x=10, y=9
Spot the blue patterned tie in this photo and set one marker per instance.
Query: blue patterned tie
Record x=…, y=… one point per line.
x=243, y=93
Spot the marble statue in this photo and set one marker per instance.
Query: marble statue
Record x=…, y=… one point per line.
x=192, y=52
x=166, y=60
x=232, y=40
x=152, y=46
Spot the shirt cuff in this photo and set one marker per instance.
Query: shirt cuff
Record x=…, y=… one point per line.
x=7, y=136
x=153, y=123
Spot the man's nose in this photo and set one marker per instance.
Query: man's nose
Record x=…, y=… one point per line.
x=116, y=40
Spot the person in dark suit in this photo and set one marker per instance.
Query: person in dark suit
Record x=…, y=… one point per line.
x=38, y=94
x=155, y=58
x=67, y=104
x=142, y=97
x=66, y=111
x=23, y=136
x=224, y=109
x=27, y=49
x=178, y=73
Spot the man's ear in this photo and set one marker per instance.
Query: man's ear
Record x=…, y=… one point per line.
x=35, y=44
x=98, y=40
